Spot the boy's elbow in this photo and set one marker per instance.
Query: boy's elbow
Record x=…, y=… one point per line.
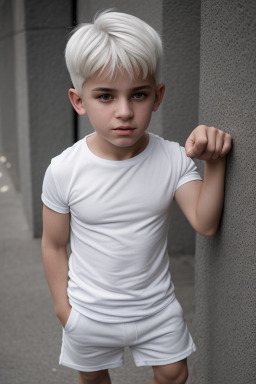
x=209, y=232
x=205, y=227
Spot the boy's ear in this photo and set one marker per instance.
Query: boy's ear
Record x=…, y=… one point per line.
x=77, y=101
x=160, y=89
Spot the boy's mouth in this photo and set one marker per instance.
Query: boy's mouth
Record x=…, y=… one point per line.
x=123, y=127
x=124, y=130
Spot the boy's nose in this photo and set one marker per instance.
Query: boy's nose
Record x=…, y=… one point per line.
x=124, y=110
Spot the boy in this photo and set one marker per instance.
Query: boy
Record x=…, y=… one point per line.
x=112, y=192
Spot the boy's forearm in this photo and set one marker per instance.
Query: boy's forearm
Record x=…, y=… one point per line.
x=210, y=202
x=56, y=270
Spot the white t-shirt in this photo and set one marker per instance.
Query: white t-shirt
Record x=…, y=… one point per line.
x=119, y=265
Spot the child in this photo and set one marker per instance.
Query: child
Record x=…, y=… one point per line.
x=112, y=192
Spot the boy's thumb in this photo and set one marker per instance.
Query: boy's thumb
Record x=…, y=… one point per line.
x=189, y=145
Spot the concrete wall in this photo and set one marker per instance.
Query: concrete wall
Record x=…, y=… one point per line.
x=179, y=25
x=225, y=264
x=39, y=121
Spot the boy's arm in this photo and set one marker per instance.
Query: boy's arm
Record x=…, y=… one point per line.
x=202, y=202
x=55, y=259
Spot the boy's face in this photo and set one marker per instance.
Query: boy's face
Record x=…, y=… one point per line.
x=120, y=111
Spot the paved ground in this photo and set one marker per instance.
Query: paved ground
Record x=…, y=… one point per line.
x=30, y=334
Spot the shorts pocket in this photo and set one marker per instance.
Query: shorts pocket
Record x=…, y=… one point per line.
x=178, y=307
x=71, y=320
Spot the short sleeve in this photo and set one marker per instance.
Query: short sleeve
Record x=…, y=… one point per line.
x=51, y=196
x=188, y=171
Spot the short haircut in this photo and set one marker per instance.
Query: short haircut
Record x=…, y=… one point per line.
x=113, y=42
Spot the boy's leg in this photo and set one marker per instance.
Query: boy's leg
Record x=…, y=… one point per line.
x=163, y=341
x=100, y=377
x=176, y=373
x=91, y=348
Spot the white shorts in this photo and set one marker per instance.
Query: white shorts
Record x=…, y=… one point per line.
x=161, y=339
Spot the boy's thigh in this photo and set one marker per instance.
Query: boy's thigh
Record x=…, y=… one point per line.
x=163, y=339
x=171, y=373
x=91, y=346
x=94, y=377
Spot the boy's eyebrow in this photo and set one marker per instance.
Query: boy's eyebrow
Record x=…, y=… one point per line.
x=142, y=87
x=103, y=89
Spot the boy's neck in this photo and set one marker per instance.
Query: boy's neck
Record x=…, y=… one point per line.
x=108, y=151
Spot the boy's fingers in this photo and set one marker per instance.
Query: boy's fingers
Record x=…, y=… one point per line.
x=226, y=145
x=206, y=143
x=223, y=144
x=211, y=146
x=189, y=145
x=219, y=142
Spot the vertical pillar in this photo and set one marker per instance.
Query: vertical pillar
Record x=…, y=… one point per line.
x=8, y=122
x=44, y=114
x=225, y=264
x=181, y=37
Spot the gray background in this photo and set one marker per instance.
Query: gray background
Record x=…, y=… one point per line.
x=210, y=73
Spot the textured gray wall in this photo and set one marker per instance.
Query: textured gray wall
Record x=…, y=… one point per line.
x=225, y=264
x=42, y=114
x=179, y=25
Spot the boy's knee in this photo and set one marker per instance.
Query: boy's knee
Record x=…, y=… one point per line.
x=176, y=373
x=94, y=377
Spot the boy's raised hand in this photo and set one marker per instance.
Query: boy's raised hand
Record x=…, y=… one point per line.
x=208, y=143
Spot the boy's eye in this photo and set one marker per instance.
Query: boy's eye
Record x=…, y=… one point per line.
x=139, y=95
x=105, y=97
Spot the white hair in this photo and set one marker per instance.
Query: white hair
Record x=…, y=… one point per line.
x=114, y=42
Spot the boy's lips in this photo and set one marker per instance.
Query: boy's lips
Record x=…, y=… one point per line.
x=124, y=127
x=124, y=130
